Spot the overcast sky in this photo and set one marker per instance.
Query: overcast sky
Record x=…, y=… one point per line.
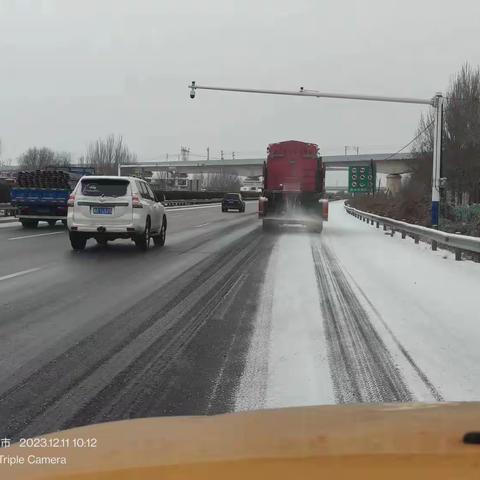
x=72, y=71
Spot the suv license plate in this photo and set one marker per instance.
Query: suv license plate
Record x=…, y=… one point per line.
x=102, y=210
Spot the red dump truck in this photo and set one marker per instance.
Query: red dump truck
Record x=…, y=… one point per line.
x=294, y=187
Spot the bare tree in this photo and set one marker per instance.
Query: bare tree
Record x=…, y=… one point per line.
x=222, y=182
x=38, y=158
x=106, y=154
x=160, y=179
x=461, y=147
x=462, y=134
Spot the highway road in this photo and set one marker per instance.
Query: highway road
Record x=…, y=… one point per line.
x=226, y=317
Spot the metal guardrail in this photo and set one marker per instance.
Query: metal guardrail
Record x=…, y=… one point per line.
x=10, y=210
x=459, y=243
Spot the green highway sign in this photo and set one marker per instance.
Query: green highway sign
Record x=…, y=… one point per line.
x=361, y=179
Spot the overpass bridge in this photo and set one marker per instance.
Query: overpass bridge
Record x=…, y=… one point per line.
x=386, y=163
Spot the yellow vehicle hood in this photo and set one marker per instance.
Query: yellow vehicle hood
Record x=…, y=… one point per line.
x=393, y=441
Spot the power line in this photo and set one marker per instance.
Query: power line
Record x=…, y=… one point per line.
x=410, y=142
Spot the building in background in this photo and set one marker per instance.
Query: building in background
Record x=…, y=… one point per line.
x=173, y=180
x=252, y=184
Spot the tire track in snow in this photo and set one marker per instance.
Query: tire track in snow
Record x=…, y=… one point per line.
x=419, y=372
x=362, y=368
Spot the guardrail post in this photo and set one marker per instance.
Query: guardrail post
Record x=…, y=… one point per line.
x=378, y=224
x=404, y=233
x=417, y=238
x=393, y=232
x=434, y=245
x=458, y=254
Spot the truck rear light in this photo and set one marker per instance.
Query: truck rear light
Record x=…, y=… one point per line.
x=71, y=201
x=136, y=203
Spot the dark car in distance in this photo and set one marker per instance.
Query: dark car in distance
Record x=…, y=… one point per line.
x=233, y=201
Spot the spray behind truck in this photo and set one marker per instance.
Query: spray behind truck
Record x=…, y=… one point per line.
x=294, y=187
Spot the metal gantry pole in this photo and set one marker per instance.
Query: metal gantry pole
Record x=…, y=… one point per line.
x=436, y=101
x=314, y=93
x=437, y=152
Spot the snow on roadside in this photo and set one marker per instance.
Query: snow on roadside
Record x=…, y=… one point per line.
x=422, y=304
x=427, y=299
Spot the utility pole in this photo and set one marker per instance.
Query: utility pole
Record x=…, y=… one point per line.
x=208, y=154
x=437, y=152
x=357, y=149
x=221, y=154
x=436, y=102
x=185, y=153
x=233, y=155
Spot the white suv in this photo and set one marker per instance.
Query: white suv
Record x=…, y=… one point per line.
x=106, y=208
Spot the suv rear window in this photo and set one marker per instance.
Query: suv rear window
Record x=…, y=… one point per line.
x=108, y=187
x=231, y=196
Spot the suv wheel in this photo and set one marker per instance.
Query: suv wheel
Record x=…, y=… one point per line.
x=77, y=241
x=142, y=241
x=159, y=240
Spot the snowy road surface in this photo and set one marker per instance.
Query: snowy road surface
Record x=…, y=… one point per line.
x=385, y=320
x=226, y=317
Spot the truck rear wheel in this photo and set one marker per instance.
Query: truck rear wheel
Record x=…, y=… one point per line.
x=77, y=241
x=27, y=223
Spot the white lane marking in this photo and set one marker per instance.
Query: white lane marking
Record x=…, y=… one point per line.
x=18, y=274
x=202, y=225
x=37, y=235
x=178, y=209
